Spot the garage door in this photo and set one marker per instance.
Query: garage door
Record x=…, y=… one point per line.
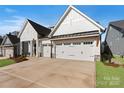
x=46, y=50
x=77, y=51
x=9, y=52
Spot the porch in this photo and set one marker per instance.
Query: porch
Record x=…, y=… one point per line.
x=28, y=48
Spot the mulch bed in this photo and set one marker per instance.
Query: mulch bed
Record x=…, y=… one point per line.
x=19, y=59
x=123, y=65
x=113, y=64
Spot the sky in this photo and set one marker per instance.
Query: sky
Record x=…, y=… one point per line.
x=12, y=17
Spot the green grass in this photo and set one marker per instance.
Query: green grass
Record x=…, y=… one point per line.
x=6, y=62
x=108, y=76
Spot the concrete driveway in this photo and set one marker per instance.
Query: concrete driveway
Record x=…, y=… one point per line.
x=48, y=73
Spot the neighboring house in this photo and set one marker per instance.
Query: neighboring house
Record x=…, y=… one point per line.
x=1, y=39
x=10, y=45
x=76, y=36
x=31, y=37
x=15, y=33
x=115, y=37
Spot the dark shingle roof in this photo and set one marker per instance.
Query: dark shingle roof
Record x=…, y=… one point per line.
x=41, y=30
x=1, y=39
x=13, y=38
x=119, y=24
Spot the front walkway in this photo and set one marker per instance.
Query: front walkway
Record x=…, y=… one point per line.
x=3, y=58
x=46, y=72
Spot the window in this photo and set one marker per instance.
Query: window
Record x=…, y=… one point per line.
x=87, y=43
x=77, y=43
x=67, y=43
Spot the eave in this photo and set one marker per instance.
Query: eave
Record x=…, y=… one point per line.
x=75, y=37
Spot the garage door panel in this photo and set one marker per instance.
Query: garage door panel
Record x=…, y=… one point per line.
x=9, y=52
x=60, y=51
x=76, y=52
x=46, y=51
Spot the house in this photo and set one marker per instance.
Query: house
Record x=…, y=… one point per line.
x=15, y=33
x=1, y=39
x=31, y=37
x=10, y=45
x=76, y=36
x=115, y=37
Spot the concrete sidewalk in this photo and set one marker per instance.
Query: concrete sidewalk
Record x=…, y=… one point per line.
x=46, y=72
x=3, y=58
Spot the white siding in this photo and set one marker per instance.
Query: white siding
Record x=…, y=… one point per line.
x=46, y=42
x=97, y=48
x=74, y=23
x=29, y=33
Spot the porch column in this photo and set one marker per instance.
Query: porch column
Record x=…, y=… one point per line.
x=37, y=48
x=40, y=48
x=53, y=50
x=31, y=48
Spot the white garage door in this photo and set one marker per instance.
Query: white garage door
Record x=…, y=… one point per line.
x=46, y=50
x=9, y=52
x=76, y=51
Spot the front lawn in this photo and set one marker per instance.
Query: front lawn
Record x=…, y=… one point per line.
x=109, y=76
x=6, y=62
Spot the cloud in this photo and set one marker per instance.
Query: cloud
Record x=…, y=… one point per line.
x=9, y=10
x=11, y=25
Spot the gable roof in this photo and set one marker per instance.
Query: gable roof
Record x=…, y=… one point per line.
x=66, y=13
x=13, y=39
x=41, y=30
x=118, y=24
